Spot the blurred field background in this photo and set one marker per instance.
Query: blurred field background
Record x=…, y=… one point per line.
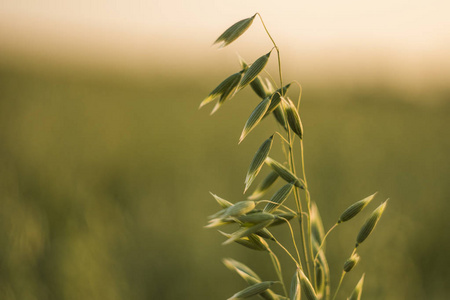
x=106, y=162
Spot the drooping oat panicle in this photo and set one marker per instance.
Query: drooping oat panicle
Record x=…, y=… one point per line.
x=357, y=292
x=307, y=287
x=255, y=117
x=222, y=202
x=351, y=262
x=222, y=88
x=253, y=290
x=295, y=292
x=293, y=117
x=284, y=173
x=370, y=224
x=234, y=31
x=355, y=208
x=264, y=185
x=254, y=70
x=258, y=162
x=279, y=197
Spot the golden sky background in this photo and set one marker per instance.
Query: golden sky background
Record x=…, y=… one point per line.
x=403, y=40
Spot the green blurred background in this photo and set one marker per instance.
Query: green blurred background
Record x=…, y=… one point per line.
x=105, y=173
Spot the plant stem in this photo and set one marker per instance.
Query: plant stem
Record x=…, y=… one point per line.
x=323, y=241
x=339, y=286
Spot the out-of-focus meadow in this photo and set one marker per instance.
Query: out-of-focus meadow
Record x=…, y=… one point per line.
x=104, y=186
x=105, y=174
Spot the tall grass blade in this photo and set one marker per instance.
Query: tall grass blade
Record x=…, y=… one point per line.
x=258, y=162
x=254, y=70
x=264, y=185
x=317, y=230
x=279, y=197
x=276, y=98
x=279, y=116
x=234, y=31
x=238, y=209
x=255, y=118
x=253, y=242
x=351, y=262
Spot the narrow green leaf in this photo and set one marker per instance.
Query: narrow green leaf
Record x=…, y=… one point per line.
x=279, y=197
x=253, y=71
x=355, y=208
x=293, y=117
x=284, y=173
x=255, y=118
x=307, y=287
x=234, y=31
x=264, y=185
x=223, y=87
x=258, y=162
x=357, y=292
x=246, y=231
x=252, y=290
x=370, y=224
x=295, y=292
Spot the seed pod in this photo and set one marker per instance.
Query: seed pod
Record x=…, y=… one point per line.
x=234, y=31
x=253, y=71
x=241, y=269
x=255, y=117
x=279, y=197
x=306, y=286
x=293, y=117
x=258, y=162
x=357, y=292
x=351, y=262
x=355, y=208
x=264, y=185
x=276, y=98
x=252, y=290
x=255, y=218
x=240, y=208
x=223, y=87
x=222, y=202
x=246, y=231
x=284, y=172
x=370, y=224
x=317, y=230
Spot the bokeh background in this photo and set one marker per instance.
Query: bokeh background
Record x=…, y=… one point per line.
x=106, y=162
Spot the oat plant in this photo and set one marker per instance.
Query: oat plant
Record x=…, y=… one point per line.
x=291, y=203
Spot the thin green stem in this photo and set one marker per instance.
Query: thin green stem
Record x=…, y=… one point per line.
x=293, y=240
x=300, y=93
x=282, y=137
x=289, y=253
x=277, y=267
x=323, y=241
x=276, y=47
x=339, y=286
